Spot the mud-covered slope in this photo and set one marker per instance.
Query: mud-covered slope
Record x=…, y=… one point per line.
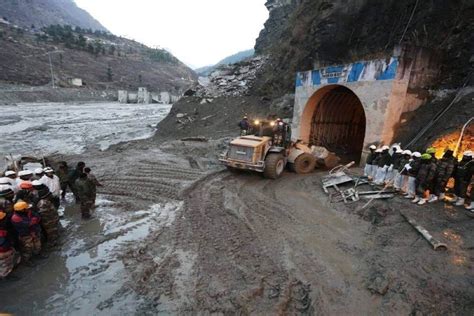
x=40, y=13
x=305, y=34
x=101, y=60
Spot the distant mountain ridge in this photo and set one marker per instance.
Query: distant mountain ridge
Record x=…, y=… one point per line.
x=205, y=71
x=41, y=13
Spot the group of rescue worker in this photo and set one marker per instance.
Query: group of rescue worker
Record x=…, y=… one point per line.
x=29, y=204
x=423, y=178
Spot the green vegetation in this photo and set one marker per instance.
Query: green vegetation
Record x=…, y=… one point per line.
x=161, y=55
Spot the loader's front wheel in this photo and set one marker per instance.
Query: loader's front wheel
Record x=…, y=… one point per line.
x=305, y=163
x=274, y=166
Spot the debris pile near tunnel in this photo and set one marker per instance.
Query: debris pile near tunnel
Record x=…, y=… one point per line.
x=230, y=80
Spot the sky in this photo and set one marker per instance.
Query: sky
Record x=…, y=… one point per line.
x=198, y=32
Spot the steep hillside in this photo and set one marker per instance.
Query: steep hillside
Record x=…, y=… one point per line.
x=205, y=71
x=41, y=13
x=101, y=60
x=304, y=34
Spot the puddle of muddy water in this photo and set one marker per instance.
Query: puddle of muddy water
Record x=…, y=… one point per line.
x=70, y=128
x=86, y=277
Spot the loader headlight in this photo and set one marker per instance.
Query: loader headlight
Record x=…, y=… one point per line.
x=256, y=122
x=272, y=124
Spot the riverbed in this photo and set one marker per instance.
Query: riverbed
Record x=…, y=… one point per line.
x=71, y=128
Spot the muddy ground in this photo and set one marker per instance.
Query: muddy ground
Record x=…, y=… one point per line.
x=175, y=233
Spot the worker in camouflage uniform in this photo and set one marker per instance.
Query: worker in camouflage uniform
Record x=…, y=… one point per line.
x=27, y=225
x=444, y=171
x=369, y=163
x=85, y=192
x=94, y=182
x=424, y=179
x=401, y=176
x=9, y=258
x=63, y=175
x=463, y=173
x=74, y=175
x=49, y=217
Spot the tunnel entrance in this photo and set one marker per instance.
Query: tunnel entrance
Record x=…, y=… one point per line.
x=336, y=120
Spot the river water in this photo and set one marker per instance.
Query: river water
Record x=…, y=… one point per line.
x=45, y=128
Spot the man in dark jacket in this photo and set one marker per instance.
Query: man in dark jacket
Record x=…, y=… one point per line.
x=244, y=125
x=400, y=168
x=444, y=171
x=411, y=171
x=424, y=179
x=369, y=163
x=462, y=176
x=73, y=176
x=85, y=193
x=383, y=163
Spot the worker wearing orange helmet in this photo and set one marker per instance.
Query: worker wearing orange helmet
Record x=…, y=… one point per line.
x=8, y=255
x=27, y=225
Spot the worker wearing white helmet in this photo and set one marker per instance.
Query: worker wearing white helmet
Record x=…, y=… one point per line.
x=39, y=173
x=462, y=178
x=52, y=182
x=401, y=178
x=24, y=175
x=395, y=161
x=411, y=172
x=383, y=163
x=369, y=163
x=377, y=154
x=416, y=154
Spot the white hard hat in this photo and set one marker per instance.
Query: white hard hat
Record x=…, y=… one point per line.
x=48, y=169
x=373, y=147
x=399, y=150
x=10, y=173
x=469, y=153
x=24, y=173
x=379, y=150
x=385, y=148
x=407, y=152
x=39, y=170
x=416, y=154
x=5, y=181
x=36, y=183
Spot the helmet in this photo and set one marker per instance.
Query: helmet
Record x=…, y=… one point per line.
x=20, y=206
x=469, y=153
x=373, y=147
x=385, y=148
x=10, y=173
x=6, y=192
x=379, y=150
x=245, y=117
x=416, y=154
x=5, y=181
x=407, y=152
x=48, y=170
x=431, y=151
x=426, y=157
x=39, y=171
x=26, y=185
x=36, y=183
x=25, y=173
x=399, y=150
x=2, y=215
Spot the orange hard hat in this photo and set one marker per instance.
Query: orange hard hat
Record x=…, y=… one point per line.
x=26, y=185
x=2, y=215
x=20, y=206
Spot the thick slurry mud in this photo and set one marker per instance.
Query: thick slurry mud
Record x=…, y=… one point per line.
x=173, y=233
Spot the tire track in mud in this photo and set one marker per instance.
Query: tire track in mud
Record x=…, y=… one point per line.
x=151, y=182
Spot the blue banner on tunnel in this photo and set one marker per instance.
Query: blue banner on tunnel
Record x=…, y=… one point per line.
x=360, y=71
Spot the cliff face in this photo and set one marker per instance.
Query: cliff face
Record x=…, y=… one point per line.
x=306, y=34
x=41, y=13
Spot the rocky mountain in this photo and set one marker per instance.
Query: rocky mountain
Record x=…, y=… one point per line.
x=101, y=60
x=306, y=34
x=41, y=13
x=205, y=71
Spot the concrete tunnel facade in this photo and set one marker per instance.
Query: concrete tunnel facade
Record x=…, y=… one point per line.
x=350, y=107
